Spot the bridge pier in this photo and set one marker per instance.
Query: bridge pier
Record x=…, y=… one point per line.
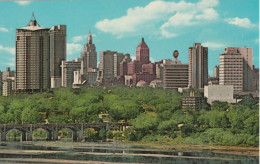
x=23, y=136
x=49, y=136
x=29, y=136
x=74, y=135
x=81, y=135
x=55, y=135
x=3, y=136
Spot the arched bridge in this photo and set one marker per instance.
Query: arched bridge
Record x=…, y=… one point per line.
x=53, y=129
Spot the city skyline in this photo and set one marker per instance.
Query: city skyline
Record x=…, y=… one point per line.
x=112, y=30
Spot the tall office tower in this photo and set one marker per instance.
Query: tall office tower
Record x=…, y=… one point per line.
x=255, y=85
x=141, y=69
x=247, y=54
x=198, y=66
x=231, y=69
x=142, y=53
x=109, y=65
x=118, y=58
x=175, y=74
x=123, y=65
x=57, y=53
x=216, y=72
x=32, y=58
x=67, y=72
x=106, y=64
x=88, y=56
x=1, y=84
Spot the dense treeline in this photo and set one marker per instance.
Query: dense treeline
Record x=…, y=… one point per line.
x=155, y=114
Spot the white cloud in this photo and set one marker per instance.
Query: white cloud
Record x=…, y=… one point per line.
x=166, y=15
x=2, y=29
x=152, y=59
x=73, y=48
x=22, y=2
x=79, y=38
x=133, y=58
x=167, y=34
x=241, y=22
x=10, y=50
x=208, y=14
x=213, y=45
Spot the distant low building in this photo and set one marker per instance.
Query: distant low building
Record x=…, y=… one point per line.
x=67, y=70
x=219, y=93
x=193, y=102
x=8, y=86
x=7, y=82
x=156, y=84
x=213, y=81
x=141, y=83
x=173, y=73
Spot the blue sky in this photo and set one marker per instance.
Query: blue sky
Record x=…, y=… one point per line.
x=119, y=25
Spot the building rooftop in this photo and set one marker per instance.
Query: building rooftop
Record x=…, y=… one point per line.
x=33, y=25
x=142, y=44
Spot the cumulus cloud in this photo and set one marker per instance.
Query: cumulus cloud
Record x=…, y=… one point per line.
x=79, y=38
x=73, y=48
x=2, y=29
x=241, y=22
x=22, y=2
x=213, y=45
x=166, y=15
x=10, y=50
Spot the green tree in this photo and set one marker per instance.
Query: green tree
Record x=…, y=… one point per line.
x=219, y=106
x=31, y=116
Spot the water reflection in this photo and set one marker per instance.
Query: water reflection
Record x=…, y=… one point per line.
x=109, y=152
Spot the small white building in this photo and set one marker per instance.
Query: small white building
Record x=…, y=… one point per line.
x=219, y=93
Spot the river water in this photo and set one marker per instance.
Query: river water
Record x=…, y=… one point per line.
x=68, y=152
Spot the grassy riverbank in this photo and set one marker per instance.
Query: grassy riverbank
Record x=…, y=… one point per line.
x=236, y=150
x=239, y=150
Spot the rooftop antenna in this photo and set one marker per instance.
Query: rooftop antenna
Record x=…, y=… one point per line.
x=33, y=19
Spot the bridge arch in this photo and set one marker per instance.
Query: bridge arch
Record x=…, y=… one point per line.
x=47, y=131
x=22, y=134
x=73, y=132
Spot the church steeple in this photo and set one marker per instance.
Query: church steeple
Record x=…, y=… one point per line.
x=89, y=38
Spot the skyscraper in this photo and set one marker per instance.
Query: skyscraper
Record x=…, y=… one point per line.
x=39, y=52
x=109, y=65
x=247, y=55
x=32, y=58
x=198, y=66
x=88, y=56
x=1, y=84
x=216, y=72
x=142, y=53
x=141, y=69
x=57, y=53
x=235, y=68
